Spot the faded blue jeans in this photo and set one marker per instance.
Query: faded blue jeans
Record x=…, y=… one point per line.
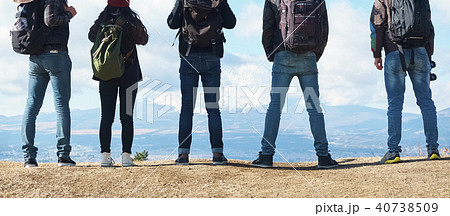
x=206, y=66
x=419, y=74
x=44, y=68
x=286, y=66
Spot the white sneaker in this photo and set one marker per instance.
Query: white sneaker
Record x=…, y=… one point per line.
x=126, y=160
x=107, y=161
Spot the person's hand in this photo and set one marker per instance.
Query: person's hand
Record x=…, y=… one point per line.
x=71, y=9
x=379, y=63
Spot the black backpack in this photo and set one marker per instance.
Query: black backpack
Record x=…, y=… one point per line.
x=410, y=25
x=28, y=33
x=202, y=23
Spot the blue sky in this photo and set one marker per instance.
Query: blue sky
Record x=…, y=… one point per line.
x=347, y=75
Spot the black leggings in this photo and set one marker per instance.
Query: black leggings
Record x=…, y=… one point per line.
x=108, y=97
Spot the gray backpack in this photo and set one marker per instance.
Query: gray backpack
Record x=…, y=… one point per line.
x=410, y=25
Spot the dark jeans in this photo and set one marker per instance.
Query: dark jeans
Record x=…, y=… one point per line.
x=108, y=97
x=206, y=66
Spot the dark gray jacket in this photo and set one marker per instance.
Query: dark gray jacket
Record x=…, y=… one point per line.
x=271, y=37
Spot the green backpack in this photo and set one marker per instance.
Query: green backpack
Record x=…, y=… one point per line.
x=107, y=60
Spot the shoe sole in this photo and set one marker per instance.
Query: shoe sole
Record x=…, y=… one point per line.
x=106, y=165
x=220, y=163
x=66, y=164
x=396, y=160
x=262, y=165
x=31, y=166
x=434, y=157
x=182, y=164
x=327, y=167
x=127, y=165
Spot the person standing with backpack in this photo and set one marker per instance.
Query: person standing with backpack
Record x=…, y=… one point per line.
x=295, y=34
x=117, y=79
x=200, y=24
x=49, y=63
x=405, y=31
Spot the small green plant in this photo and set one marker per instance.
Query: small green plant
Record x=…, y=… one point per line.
x=141, y=156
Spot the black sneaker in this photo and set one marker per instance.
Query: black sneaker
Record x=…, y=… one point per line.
x=326, y=162
x=62, y=162
x=182, y=161
x=263, y=160
x=222, y=160
x=29, y=163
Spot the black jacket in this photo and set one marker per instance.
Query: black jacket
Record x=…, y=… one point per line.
x=132, y=35
x=271, y=37
x=175, y=21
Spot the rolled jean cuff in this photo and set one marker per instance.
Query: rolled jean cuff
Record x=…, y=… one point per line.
x=395, y=150
x=267, y=151
x=322, y=153
x=217, y=150
x=184, y=151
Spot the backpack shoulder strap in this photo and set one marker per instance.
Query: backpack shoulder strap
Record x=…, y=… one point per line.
x=19, y=11
x=283, y=19
x=128, y=55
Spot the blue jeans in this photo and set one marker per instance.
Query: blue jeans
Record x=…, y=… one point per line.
x=206, y=66
x=286, y=65
x=44, y=68
x=419, y=74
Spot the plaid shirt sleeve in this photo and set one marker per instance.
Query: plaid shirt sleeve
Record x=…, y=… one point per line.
x=53, y=15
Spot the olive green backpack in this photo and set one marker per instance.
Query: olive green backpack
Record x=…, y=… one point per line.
x=107, y=60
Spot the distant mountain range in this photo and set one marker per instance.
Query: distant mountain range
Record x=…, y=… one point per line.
x=353, y=131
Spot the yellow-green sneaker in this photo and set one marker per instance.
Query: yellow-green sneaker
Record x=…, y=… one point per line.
x=434, y=155
x=390, y=158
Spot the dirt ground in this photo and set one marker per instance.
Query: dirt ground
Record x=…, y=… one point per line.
x=356, y=177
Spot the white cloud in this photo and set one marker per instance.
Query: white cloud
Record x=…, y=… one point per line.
x=347, y=75
x=440, y=9
x=250, y=20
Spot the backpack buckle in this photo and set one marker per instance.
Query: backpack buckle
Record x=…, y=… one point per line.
x=188, y=51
